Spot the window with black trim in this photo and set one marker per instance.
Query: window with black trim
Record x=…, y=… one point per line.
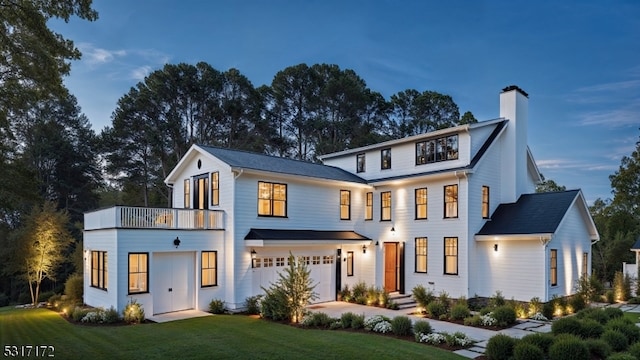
x=585, y=265
x=439, y=149
x=368, y=209
x=209, y=268
x=215, y=188
x=421, y=254
x=99, y=275
x=385, y=159
x=451, y=256
x=360, y=163
x=421, y=203
x=272, y=199
x=138, y=273
x=345, y=205
x=187, y=193
x=349, y=263
x=385, y=206
x=451, y=201
x=553, y=267
x=485, y=202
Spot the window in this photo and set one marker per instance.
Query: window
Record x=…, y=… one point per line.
x=368, y=209
x=99, y=277
x=215, y=188
x=272, y=199
x=421, y=255
x=585, y=265
x=138, y=273
x=485, y=202
x=349, y=263
x=327, y=259
x=451, y=201
x=280, y=261
x=267, y=262
x=316, y=260
x=553, y=264
x=425, y=152
x=385, y=206
x=187, y=194
x=385, y=158
x=440, y=149
x=451, y=256
x=360, y=163
x=452, y=147
x=421, y=203
x=209, y=268
x=345, y=204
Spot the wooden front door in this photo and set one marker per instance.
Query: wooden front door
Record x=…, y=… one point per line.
x=391, y=267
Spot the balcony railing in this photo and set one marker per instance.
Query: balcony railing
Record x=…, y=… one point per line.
x=154, y=218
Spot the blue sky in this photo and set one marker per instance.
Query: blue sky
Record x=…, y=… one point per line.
x=578, y=60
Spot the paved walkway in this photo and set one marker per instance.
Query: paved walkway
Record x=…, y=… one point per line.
x=178, y=315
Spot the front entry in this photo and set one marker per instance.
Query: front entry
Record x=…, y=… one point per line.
x=173, y=281
x=391, y=267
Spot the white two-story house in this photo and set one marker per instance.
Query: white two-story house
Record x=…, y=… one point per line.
x=453, y=210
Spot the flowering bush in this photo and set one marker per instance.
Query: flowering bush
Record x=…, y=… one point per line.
x=487, y=320
x=371, y=322
x=538, y=316
x=92, y=317
x=382, y=327
x=457, y=339
x=433, y=338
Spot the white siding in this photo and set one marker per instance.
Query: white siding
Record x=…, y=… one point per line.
x=101, y=240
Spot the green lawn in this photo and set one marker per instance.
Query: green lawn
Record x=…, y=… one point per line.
x=213, y=337
x=633, y=316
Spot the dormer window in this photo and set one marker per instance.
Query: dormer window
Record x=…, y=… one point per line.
x=440, y=149
x=385, y=159
x=360, y=163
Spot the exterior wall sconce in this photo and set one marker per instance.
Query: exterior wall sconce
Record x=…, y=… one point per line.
x=364, y=249
x=393, y=230
x=495, y=247
x=176, y=242
x=253, y=258
x=377, y=243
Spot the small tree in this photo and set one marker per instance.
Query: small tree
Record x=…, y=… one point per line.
x=293, y=290
x=43, y=244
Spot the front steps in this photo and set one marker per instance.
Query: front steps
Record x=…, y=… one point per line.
x=404, y=301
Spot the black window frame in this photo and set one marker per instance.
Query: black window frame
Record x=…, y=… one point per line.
x=146, y=290
x=350, y=261
x=272, y=200
x=186, y=188
x=385, y=164
x=99, y=270
x=553, y=267
x=449, y=254
x=215, y=188
x=345, y=206
x=486, y=198
x=361, y=163
x=208, y=267
x=421, y=254
x=446, y=202
x=418, y=204
x=383, y=207
x=368, y=206
x=585, y=265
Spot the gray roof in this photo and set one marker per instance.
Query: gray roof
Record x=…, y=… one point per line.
x=538, y=213
x=279, y=234
x=262, y=162
x=636, y=245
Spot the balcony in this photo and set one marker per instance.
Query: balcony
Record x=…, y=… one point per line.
x=128, y=217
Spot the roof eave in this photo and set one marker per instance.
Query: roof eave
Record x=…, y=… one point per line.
x=518, y=237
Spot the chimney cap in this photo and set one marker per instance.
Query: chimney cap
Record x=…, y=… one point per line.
x=516, y=88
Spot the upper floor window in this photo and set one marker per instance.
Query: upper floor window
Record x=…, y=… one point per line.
x=187, y=193
x=439, y=149
x=485, y=202
x=421, y=254
x=215, y=188
x=385, y=206
x=99, y=276
x=345, y=204
x=360, y=163
x=272, y=199
x=385, y=159
x=209, y=270
x=368, y=208
x=421, y=203
x=451, y=201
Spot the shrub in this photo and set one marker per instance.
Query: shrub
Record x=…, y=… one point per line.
x=520, y=309
x=423, y=296
x=596, y=314
x=422, y=327
x=274, y=305
x=318, y=319
x=504, y=315
x=436, y=309
x=535, y=306
x=626, y=327
x=382, y=327
x=93, y=317
x=474, y=320
x=54, y=301
x=541, y=340
x=133, y=312
x=78, y=313
x=577, y=303
x=634, y=300
x=4, y=299
x=216, y=306
x=445, y=300
x=497, y=299
x=621, y=356
x=371, y=322
x=44, y=296
x=616, y=340
x=610, y=296
x=613, y=313
x=527, y=351
x=359, y=290
x=252, y=304
x=598, y=348
x=460, y=312
x=372, y=295
x=547, y=310
x=345, y=293
x=621, y=286
x=346, y=319
x=401, y=326
x=568, y=348
x=590, y=328
x=634, y=350
x=457, y=339
x=110, y=316
x=500, y=347
x=357, y=322
x=567, y=325
x=74, y=287
x=384, y=300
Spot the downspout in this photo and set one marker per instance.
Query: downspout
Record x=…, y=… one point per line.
x=546, y=268
x=238, y=174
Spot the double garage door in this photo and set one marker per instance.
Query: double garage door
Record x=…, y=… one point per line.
x=322, y=265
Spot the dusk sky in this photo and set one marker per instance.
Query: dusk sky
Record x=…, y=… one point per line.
x=578, y=60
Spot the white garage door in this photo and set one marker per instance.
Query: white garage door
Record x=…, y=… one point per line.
x=173, y=281
x=321, y=265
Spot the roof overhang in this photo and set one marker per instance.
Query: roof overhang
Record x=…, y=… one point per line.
x=243, y=170
x=517, y=237
x=288, y=237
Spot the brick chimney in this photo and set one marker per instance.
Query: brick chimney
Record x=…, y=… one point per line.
x=514, y=107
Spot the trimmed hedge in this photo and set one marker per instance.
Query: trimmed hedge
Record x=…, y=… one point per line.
x=500, y=347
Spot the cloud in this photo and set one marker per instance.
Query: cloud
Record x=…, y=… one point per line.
x=611, y=87
x=626, y=115
x=120, y=64
x=562, y=164
x=140, y=73
x=94, y=55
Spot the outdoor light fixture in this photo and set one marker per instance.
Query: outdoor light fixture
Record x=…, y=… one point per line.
x=253, y=258
x=364, y=249
x=393, y=230
x=495, y=247
x=377, y=243
x=176, y=242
